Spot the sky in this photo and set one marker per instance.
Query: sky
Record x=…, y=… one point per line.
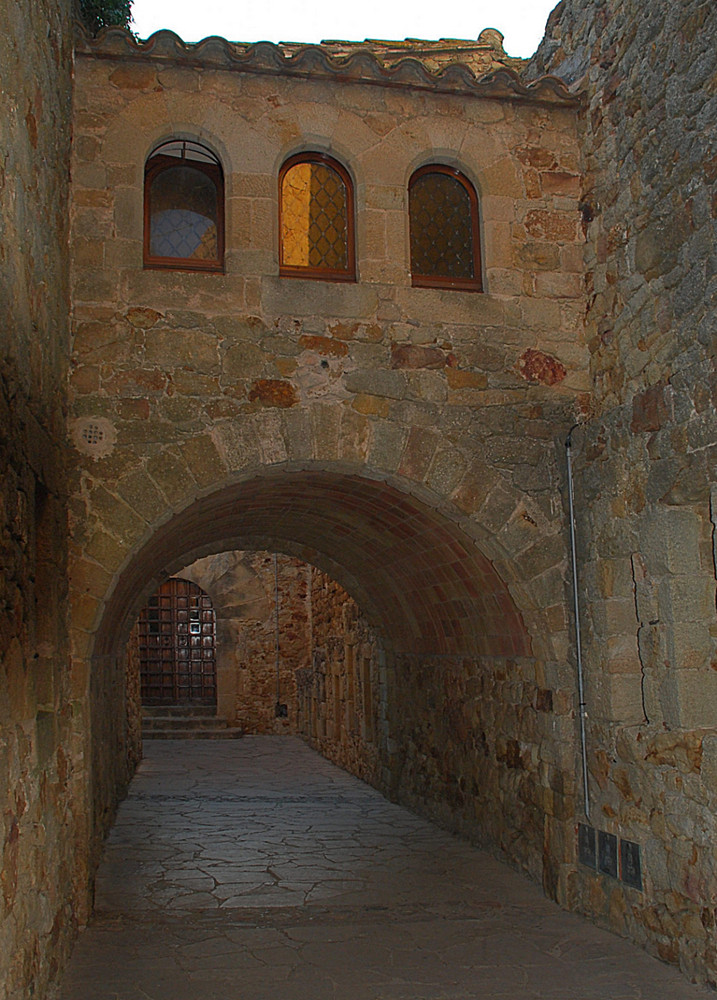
x=522, y=22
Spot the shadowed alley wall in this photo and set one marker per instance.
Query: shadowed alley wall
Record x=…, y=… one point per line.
x=43, y=822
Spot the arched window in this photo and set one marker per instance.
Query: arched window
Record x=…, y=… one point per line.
x=183, y=208
x=445, y=239
x=316, y=222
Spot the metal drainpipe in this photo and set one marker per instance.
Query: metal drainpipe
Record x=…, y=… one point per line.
x=578, y=633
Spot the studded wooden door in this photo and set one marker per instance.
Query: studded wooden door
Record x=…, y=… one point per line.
x=177, y=631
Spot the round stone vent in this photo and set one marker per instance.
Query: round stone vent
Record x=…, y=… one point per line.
x=94, y=436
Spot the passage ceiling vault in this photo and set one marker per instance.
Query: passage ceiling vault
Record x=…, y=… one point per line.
x=418, y=577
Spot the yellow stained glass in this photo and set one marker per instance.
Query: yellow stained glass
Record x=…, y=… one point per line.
x=314, y=217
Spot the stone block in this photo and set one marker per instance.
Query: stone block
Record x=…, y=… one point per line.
x=96, y=286
x=374, y=406
x=557, y=285
x=503, y=179
x=138, y=382
x=243, y=360
x=617, y=698
x=325, y=430
x=194, y=386
x=690, y=646
x=428, y=385
x=651, y=409
x=296, y=297
x=237, y=449
x=203, y=460
x=537, y=366
x=615, y=616
x=297, y=435
x=534, y=256
x=387, y=444
x=89, y=578
x=142, y=495
x=410, y=356
x=556, y=227
x=446, y=470
x=391, y=384
x=115, y=516
x=191, y=349
x=267, y=428
x=272, y=392
x=691, y=598
x=708, y=770
x=129, y=216
x=171, y=475
x=418, y=453
x=679, y=749
x=355, y=436
x=106, y=550
x=425, y=305
x=671, y=542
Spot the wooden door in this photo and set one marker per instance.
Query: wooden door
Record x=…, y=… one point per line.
x=177, y=634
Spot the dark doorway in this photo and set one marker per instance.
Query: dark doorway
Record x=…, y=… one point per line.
x=177, y=633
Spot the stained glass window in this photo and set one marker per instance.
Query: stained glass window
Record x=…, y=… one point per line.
x=443, y=215
x=184, y=210
x=316, y=206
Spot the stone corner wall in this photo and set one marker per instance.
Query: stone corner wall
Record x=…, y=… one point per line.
x=43, y=885
x=646, y=460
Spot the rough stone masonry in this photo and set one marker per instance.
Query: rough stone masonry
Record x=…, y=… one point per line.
x=407, y=442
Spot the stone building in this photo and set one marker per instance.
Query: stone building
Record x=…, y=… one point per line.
x=296, y=354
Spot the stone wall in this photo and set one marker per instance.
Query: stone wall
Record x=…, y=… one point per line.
x=330, y=679
x=43, y=855
x=343, y=693
x=400, y=439
x=242, y=588
x=484, y=747
x=646, y=461
x=133, y=700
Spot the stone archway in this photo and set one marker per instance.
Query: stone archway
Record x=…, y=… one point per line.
x=420, y=578
x=475, y=720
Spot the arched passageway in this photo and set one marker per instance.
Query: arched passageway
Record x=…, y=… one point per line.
x=465, y=726
x=420, y=578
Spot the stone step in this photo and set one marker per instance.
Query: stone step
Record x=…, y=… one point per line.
x=227, y=733
x=183, y=722
x=186, y=722
x=159, y=710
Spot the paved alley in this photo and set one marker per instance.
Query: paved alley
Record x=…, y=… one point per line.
x=251, y=869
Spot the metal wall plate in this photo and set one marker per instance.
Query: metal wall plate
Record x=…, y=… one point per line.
x=587, y=850
x=607, y=853
x=630, y=864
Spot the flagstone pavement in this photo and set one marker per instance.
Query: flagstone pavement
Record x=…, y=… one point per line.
x=252, y=869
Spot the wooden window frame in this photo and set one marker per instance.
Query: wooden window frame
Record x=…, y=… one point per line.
x=320, y=273
x=156, y=164
x=474, y=284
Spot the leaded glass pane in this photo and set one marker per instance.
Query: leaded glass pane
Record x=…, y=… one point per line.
x=441, y=227
x=314, y=217
x=183, y=220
